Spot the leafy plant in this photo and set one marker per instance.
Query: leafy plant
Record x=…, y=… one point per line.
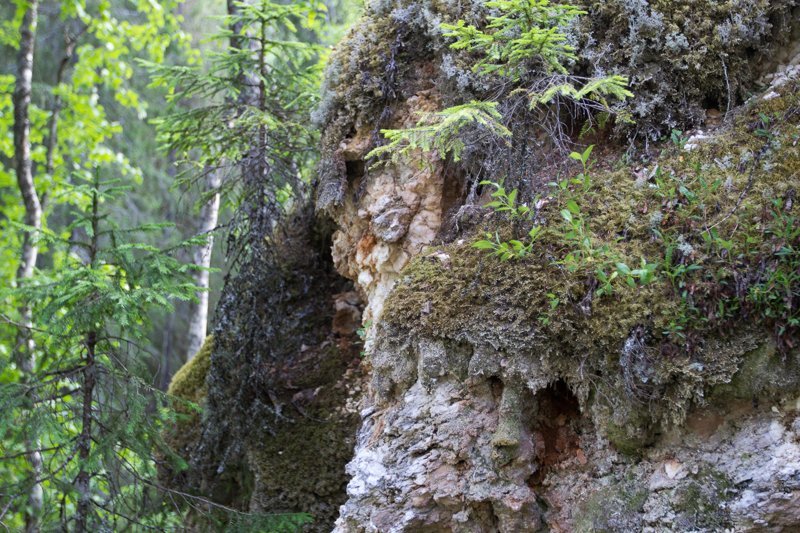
x=644, y=275
x=598, y=90
x=441, y=132
x=584, y=178
x=506, y=202
x=512, y=249
x=678, y=138
x=528, y=33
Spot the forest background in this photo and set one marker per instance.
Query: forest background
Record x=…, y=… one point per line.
x=95, y=325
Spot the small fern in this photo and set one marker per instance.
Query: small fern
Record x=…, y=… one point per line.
x=440, y=132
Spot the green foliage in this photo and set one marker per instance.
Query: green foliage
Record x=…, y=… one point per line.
x=261, y=88
x=521, y=42
x=598, y=90
x=583, y=251
x=716, y=242
x=97, y=88
x=91, y=317
x=523, y=30
x=506, y=203
x=106, y=281
x=526, y=34
x=443, y=132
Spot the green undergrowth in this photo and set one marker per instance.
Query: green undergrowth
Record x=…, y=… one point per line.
x=642, y=284
x=709, y=236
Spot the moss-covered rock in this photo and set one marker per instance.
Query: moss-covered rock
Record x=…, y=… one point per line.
x=187, y=391
x=687, y=57
x=615, y=508
x=700, y=505
x=710, y=221
x=688, y=62
x=189, y=382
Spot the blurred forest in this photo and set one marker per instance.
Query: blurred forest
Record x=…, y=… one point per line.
x=97, y=287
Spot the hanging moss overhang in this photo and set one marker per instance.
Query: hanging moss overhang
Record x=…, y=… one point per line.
x=645, y=353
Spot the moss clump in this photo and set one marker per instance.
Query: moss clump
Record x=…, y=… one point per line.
x=712, y=224
x=188, y=386
x=188, y=391
x=189, y=382
x=616, y=508
x=298, y=466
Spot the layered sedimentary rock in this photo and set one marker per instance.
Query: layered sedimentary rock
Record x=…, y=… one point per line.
x=489, y=411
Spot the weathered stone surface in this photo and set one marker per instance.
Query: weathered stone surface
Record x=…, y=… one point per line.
x=395, y=212
x=476, y=420
x=429, y=462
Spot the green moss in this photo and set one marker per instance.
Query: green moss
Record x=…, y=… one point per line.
x=764, y=374
x=690, y=323
x=615, y=508
x=189, y=382
x=188, y=387
x=701, y=502
x=299, y=467
x=631, y=437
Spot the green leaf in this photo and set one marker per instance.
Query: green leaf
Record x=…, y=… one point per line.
x=573, y=207
x=484, y=245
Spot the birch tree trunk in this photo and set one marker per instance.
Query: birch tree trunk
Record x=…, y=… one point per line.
x=25, y=348
x=198, y=317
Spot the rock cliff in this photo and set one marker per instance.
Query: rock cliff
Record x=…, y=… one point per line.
x=638, y=370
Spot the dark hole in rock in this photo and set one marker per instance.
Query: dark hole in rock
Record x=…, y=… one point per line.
x=496, y=386
x=454, y=196
x=355, y=170
x=556, y=430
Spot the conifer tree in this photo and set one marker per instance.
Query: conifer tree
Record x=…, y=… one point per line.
x=98, y=419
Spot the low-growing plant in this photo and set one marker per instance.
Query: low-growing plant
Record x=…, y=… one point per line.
x=584, y=178
x=512, y=249
x=441, y=132
x=678, y=138
x=506, y=203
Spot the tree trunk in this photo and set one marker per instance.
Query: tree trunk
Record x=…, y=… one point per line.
x=84, y=478
x=25, y=348
x=52, y=141
x=198, y=317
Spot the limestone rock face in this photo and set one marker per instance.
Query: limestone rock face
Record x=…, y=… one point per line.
x=510, y=397
x=428, y=463
x=391, y=215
